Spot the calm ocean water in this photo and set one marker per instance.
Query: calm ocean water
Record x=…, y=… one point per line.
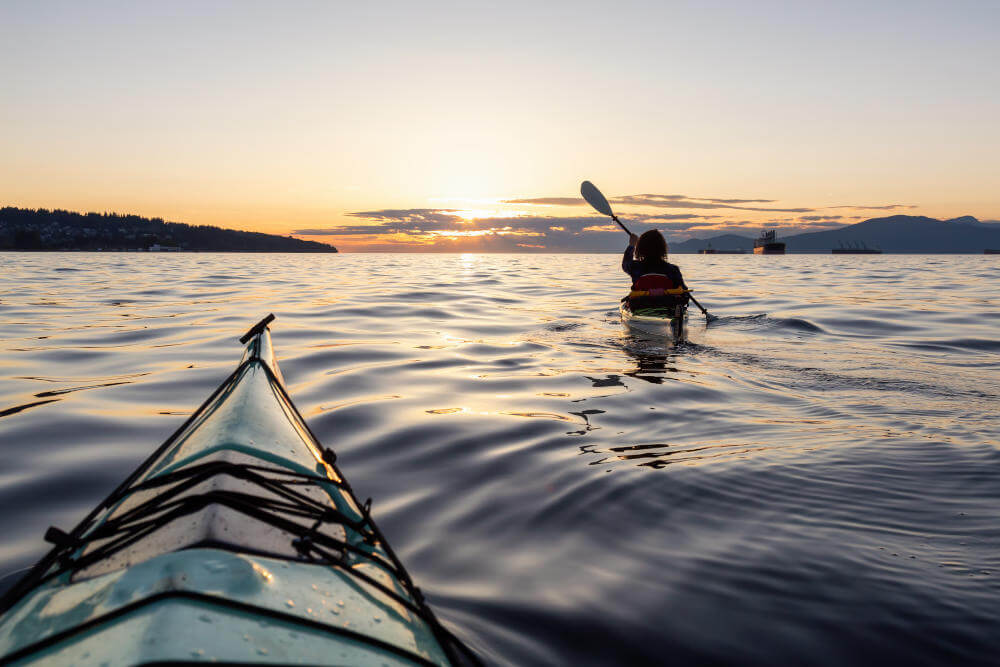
x=813, y=479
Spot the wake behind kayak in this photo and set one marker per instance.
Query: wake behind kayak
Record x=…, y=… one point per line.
x=238, y=540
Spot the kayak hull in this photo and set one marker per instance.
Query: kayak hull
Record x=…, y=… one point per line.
x=211, y=605
x=238, y=540
x=670, y=328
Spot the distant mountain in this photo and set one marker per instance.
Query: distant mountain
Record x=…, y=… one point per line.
x=894, y=234
x=41, y=229
x=903, y=234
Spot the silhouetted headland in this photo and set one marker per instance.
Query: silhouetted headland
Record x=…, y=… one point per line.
x=42, y=229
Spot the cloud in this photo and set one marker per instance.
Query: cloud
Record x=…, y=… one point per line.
x=736, y=201
x=347, y=230
x=423, y=222
x=682, y=226
x=680, y=201
x=435, y=215
x=685, y=201
x=442, y=230
x=673, y=216
x=393, y=221
x=652, y=200
x=816, y=218
x=547, y=201
x=885, y=207
x=812, y=226
x=579, y=201
x=660, y=201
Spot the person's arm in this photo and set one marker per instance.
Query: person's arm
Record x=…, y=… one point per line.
x=628, y=259
x=677, y=278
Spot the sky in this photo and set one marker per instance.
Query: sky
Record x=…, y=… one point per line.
x=458, y=126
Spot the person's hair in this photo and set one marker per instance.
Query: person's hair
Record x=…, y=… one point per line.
x=651, y=245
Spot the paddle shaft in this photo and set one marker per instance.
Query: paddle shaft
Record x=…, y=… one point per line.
x=700, y=307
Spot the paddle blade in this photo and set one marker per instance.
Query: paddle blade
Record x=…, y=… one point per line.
x=595, y=198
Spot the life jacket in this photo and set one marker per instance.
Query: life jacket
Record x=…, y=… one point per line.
x=653, y=281
x=658, y=291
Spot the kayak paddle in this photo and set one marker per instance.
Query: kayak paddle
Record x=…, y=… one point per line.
x=599, y=202
x=601, y=205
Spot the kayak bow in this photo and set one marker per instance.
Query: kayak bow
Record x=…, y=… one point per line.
x=238, y=540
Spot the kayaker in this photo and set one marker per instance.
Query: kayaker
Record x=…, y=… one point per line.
x=645, y=260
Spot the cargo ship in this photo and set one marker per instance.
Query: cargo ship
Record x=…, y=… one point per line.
x=767, y=244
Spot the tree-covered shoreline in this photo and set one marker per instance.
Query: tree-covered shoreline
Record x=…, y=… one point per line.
x=43, y=229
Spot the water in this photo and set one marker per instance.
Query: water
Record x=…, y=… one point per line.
x=814, y=478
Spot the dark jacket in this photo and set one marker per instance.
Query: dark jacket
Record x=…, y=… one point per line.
x=638, y=269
